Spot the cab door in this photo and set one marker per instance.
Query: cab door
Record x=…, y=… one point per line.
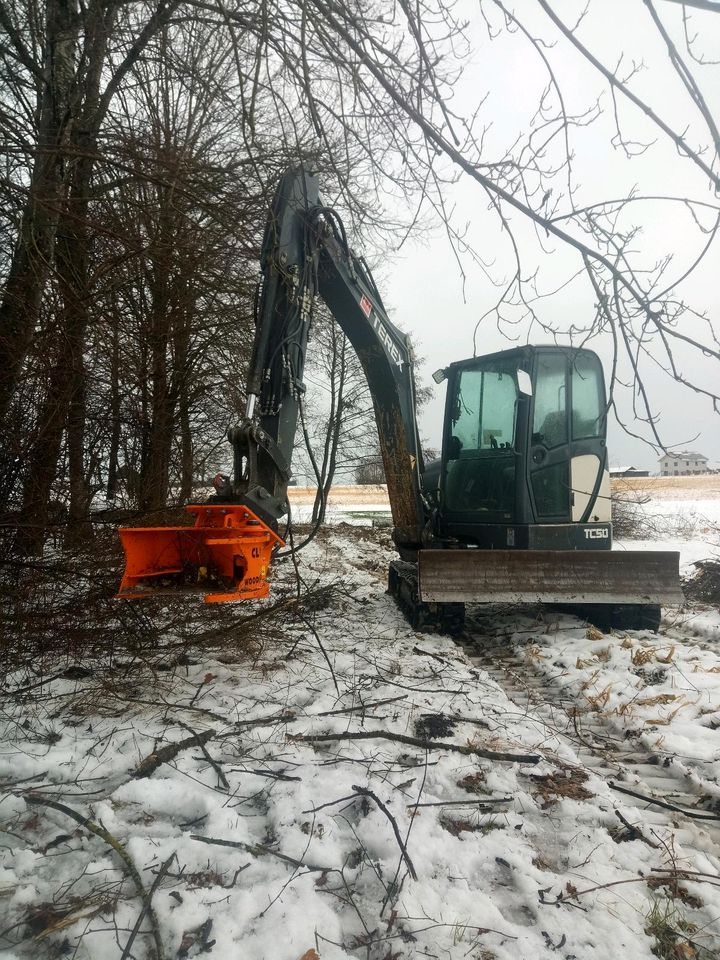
x=589, y=476
x=549, y=452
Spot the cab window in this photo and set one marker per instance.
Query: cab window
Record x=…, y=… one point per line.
x=550, y=426
x=588, y=407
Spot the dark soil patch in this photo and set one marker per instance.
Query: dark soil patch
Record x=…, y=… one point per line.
x=434, y=726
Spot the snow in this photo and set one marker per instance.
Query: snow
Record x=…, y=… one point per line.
x=544, y=873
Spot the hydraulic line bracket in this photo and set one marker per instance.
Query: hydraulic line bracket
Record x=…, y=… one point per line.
x=225, y=556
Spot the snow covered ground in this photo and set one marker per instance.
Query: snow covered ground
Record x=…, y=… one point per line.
x=259, y=800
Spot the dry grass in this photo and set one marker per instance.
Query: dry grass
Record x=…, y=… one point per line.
x=671, y=932
x=706, y=487
x=474, y=783
x=566, y=783
x=459, y=825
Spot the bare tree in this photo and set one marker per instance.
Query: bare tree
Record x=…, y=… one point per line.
x=343, y=420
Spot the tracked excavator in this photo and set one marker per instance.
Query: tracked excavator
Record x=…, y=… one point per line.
x=517, y=508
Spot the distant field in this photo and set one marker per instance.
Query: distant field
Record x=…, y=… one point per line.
x=346, y=495
x=659, y=488
x=673, y=488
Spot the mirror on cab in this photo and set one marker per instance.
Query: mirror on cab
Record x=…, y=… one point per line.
x=524, y=382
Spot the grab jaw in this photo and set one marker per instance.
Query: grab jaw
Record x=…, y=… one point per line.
x=225, y=556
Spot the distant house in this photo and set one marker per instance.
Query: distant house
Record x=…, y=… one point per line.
x=684, y=463
x=628, y=472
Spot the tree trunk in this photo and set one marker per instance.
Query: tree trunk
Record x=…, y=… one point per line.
x=65, y=400
x=156, y=467
x=79, y=528
x=338, y=372
x=112, y=468
x=30, y=266
x=156, y=463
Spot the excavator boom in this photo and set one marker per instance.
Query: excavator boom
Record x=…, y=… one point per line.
x=304, y=254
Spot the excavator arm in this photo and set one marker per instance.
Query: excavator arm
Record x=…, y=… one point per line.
x=305, y=253
x=226, y=554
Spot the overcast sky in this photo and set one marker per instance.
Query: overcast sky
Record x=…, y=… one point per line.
x=422, y=285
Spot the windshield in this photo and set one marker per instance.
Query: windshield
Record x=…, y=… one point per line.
x=483, y=414
x=480, y=465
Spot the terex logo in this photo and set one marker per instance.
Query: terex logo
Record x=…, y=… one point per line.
x=391, y=348
x=597, y=533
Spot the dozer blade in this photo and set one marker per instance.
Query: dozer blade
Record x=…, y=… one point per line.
x=225, y=556
x=549, y=576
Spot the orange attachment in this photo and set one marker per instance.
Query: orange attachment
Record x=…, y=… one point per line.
x=225, y=556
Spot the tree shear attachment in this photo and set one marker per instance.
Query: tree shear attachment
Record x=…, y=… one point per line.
x=225, y=556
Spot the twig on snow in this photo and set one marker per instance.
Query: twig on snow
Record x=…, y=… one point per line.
x=428, y=653
x=213, y=763
x=416, y=742
x=394, y=889
x=463, y=803
x=260, y=850
x=635, y=832
x=319, y=642
x=271, y=774
x=364, y=792
x=164, y=867
x=360, y=707
x=330, y=803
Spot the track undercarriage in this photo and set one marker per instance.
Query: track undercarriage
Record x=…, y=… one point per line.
x=449, y=617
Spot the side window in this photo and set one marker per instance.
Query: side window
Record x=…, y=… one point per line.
x=550, y=417
x=588, y=408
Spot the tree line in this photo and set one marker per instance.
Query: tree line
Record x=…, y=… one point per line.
x=141, y=142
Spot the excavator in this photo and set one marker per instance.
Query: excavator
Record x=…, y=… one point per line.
x=516, y=510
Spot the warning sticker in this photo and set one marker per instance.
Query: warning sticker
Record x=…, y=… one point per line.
x=365, y=305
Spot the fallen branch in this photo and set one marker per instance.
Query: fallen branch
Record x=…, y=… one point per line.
x=213, y=763
x=124, y=698
x=284, y=604
x=463, y=803
x=664, y=803
x=364, y=792
x=667, y=875
x=477, y=721
x=149, y=765
x=271, y=774
x=120, y=850
x=416, y=742
x=260, y=850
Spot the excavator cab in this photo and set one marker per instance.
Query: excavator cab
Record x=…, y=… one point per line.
x=524, y=460
x=523, y=489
